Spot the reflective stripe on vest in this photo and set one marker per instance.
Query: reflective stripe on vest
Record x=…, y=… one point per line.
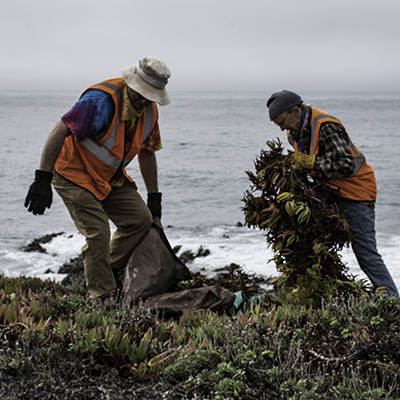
x=359, y=162
x=102, y=152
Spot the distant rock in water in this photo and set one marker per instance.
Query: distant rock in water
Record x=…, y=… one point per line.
x=75, y=270
x=176, y=249
x=73, y=266
x=36, y=244
x=48, y=271
x=188, y=255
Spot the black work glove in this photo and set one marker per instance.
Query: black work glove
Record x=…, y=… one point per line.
x=40, y=194
x=154, y=204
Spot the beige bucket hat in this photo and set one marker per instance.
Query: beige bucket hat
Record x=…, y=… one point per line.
x=149, y=77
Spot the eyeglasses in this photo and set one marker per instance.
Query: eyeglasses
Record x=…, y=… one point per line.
x=281, y=124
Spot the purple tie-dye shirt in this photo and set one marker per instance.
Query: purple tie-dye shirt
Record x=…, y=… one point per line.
x=92, y=115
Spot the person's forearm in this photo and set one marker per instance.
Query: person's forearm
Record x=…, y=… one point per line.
x=148, y=169
x=53, y=145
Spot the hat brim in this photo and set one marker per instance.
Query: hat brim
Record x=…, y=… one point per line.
x=149, y=92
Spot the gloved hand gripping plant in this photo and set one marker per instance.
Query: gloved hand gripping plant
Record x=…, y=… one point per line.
x=304, y=233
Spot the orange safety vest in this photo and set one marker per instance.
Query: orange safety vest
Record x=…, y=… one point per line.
x=361, y=185
x=92, y=163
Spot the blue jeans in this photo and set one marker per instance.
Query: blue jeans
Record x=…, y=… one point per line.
x=361, y=219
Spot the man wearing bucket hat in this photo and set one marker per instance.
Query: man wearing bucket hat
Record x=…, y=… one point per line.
x=323, y=147
x=85, y=157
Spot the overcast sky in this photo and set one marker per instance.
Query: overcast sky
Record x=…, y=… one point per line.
x=233, y=45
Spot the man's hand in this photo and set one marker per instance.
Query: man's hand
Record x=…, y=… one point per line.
x=154, y=204
x=302, y=161
x=40, y=195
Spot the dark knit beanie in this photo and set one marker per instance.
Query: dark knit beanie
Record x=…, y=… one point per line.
x=282, y=101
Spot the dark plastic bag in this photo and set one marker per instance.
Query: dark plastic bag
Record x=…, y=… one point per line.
x=214, y=298
x=153, y=268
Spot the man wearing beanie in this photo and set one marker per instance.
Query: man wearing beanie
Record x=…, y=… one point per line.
x=85, y=158
x=323, y=147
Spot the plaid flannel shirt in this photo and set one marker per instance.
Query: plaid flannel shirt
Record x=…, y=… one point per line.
x=334, y=159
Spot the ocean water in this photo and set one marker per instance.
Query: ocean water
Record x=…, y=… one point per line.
x=209, y=141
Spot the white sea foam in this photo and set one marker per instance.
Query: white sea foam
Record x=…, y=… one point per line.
x=58, y=251
x=239, y=245
x=248, y=248
x=226, y=244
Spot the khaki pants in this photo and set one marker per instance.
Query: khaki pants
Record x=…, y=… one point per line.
x=126, y=209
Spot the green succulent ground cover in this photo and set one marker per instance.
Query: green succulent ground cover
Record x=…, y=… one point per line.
x=347, y=348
